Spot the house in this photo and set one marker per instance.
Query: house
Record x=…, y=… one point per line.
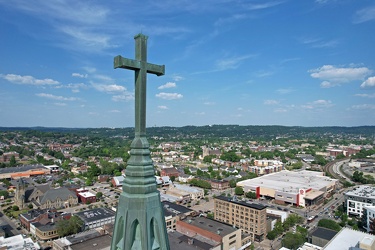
x=117, y=181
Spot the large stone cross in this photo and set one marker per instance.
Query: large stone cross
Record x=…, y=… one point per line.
x=141, y=68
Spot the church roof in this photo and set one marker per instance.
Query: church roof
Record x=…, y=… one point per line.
x=53, y=194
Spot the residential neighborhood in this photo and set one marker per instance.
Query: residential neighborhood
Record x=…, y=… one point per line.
x=222, y=193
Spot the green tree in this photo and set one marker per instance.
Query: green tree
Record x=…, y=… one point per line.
x=12, y=161
x=68, y=227
x=99, y=195
x=239, y=190
x=230, y=156
x=330, y=224
x=4, y=193
x=293, y=240
x=251, y=195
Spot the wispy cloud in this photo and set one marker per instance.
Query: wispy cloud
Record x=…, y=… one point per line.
x=123, y=97
x=28, y=80
x=271, y=102
x=366, y=95
x=75, y=87
x=162, y=107
x=231, y=62
x=363, y=107
x=369, y=83
x=110, y=88
x=114, y=111
x=58, y=98
x=315, y=42
x=62, y=104
x=79, y=75
x=334, y=76
x=364, y=15
x=169, y=96
x=167, y=85
x=209, y=103
x=177, y=78
x=318, y=104
x=263, y=5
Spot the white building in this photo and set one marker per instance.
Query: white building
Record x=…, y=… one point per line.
x=369, y=213
x=302, y=188
x=348, y=239
x=359, y=198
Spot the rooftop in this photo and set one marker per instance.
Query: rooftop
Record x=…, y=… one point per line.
x=102, y=242
x=362, y=191
x=290, y=181
x=209, y=225
x=324, y=233
x=95, y=214
x=243, y=203
x=347, y=238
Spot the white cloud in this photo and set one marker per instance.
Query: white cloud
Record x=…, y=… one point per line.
x=327, y=84
x=28, y=80
x=114, y=111
x=231, y=63
x=169, y=96
x=162, y=107
x=284, y=91
x=366, y=95
x=167, y=85
x=209, y=103
x=60, y=104
x=270, y=102
x=177, y=78
x=364, y=106
x=280, y=110
x=333, y=76
x=123, y=97
x=90, y=69
x=318, y=104
x=59, y=98
x=364, y=15
x=369, y=83
x=79, y=75
x=260, y=6
x=111, y=88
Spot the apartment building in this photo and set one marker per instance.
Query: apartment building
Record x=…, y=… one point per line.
x=249, y=217
x=357, y=199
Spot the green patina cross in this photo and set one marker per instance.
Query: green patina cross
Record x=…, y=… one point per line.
x=141, y=68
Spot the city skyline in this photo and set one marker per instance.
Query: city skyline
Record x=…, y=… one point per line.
x=287, y=62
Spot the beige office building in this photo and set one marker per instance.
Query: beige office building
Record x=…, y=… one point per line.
x=249, y=217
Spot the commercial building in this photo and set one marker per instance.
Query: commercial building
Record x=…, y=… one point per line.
x=173, y=213
x=96, y=217
x=348, y=239
x=358, y=198
x=302, y=188
x=215, y=232
x=249, y=217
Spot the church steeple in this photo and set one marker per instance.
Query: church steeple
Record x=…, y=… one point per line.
x=140, y=222
x=19, y=198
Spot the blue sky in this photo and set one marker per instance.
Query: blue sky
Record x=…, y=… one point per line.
x=281, y=62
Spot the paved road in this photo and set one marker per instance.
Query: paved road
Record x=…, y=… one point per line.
x=8, y=225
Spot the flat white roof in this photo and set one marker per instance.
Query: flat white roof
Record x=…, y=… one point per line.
x=290, y=181
x=362, y=191
x=347, y=238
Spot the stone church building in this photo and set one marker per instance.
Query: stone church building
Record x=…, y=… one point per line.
x=43, y=196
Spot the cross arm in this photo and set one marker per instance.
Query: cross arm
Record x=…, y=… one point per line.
x=125, y=63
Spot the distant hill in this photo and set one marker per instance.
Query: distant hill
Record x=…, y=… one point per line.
x=221, y=131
